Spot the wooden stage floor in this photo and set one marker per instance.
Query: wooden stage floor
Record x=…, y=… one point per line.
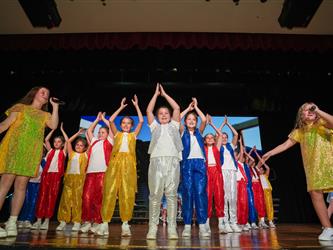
x=285, y=236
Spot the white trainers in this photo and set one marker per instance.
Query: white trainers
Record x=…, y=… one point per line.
x=27, y=224
x=3, y=233
x=263, y=225
x=11, y=228
x=61, y=226
x=208, y=226
x=103, y=229
x=254, y=225
x=36, y=225
x=125, y=230
x=85, y=227
x=45, y=225
x=227, y=227
x=94, y=227
x=203, y=233
x=327, y=234
x=245, y=228
x=76, y=227
x=271, y=224
x=187, y=231
x=151, y=235
x=172, y=233
x=235, y=228
x=20, y=224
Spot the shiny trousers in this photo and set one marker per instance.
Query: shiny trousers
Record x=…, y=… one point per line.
x=29, y=205
x=70, y=207
x=47, y=196
x=215, y=191
x=194, y=189
x=259, y=200
x=92, y=197
x=252, y=209
x=269, y=204
x=163, y=177
x=120, y=181
x=230, y=195
x=242, y=203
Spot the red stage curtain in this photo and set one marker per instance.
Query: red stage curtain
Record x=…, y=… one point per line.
x=124, y=41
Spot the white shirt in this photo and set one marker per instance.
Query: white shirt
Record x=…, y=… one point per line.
x=228, y=160
x=195, y=150
x=54, y=162
x=239, y=173
x=165, y=145
x=210, y=156
x=97, y=162
x=74, y=168
x=124, y=143
x=264, y=182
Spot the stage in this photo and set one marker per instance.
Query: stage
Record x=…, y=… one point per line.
x=285, y=236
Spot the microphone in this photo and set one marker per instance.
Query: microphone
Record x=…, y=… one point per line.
x=312, y=108
x=56, y=100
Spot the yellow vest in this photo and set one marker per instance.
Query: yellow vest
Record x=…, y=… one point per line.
x=131, y=144
x=83, y=160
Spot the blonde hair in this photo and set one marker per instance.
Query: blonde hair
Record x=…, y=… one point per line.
x=300, y=122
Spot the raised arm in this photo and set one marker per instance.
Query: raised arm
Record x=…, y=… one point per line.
x=115, y=114
x=173, y=104
x=47, y=140
x=90, y=131
x=107, y=123
x=71, y=139
x=4, y=125
x=223, y=123
x=201, y=115
x=325, y=116
x=183, y=114
x=241, y=157
x=280, y=148
x=251, y=159
x=234, y=133
x=53, y=122
x=135, y=102
x=151, y=105
x=218, y=132
x=65, y=136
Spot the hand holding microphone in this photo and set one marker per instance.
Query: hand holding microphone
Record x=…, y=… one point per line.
x=57, y=101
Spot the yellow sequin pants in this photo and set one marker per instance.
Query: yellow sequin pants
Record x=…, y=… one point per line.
x=70, y=207
x=119, y=181
x=269, y=204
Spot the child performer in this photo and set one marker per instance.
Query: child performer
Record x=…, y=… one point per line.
x=98, y=159
x=21, y=148
x=163, y=174
x=70, y=207
x=313, y=131
x=120, y=177
x=50, y=180
x=229, y=172
x=193, y=169
x=215, y=188
x=267, y=187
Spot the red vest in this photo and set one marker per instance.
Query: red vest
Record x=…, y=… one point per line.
x=107, y=151
x=241, y=169
x=61, y=162
x=216, y=154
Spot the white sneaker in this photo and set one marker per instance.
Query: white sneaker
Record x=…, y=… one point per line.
x=103, y=229
x=262, y=224
x=11, y=228
x=327, y=234
x=94, y=227
x=3, y=233
x=151, y=235
x=85, y=227
x=36, y=225
x=222, y=228
x=45, y=225
x=245, y=228
x=208, y=226
x=235, y=228
x=27, y=224
x=76, y=227
x=172, y=233
x=125, y=230
x=203, y=233
x=254, y=225
x=187, y=231
x=271, y=224
x=227, y=227
x=61, y=226
x=20, y=224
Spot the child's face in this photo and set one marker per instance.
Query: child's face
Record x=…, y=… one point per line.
x=42, y=95
x=80, y=147
x=163, y=116
x=191, y=121
x=209, y=140
x=126, y=125
x=307, y=115
x=102, y=134
x=261, y=170
x=224, y=139
x=58, y=143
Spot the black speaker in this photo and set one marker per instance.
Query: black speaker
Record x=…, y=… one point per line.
x=298, y=13
x=41, y=13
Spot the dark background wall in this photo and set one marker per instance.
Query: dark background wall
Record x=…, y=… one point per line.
x=268, y=84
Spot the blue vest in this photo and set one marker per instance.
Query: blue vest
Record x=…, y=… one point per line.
x=186, y=140
x=231, y=151
x=248, y=174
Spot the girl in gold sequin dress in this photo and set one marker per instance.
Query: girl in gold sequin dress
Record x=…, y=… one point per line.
x=21, y=148
x=313, y=131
